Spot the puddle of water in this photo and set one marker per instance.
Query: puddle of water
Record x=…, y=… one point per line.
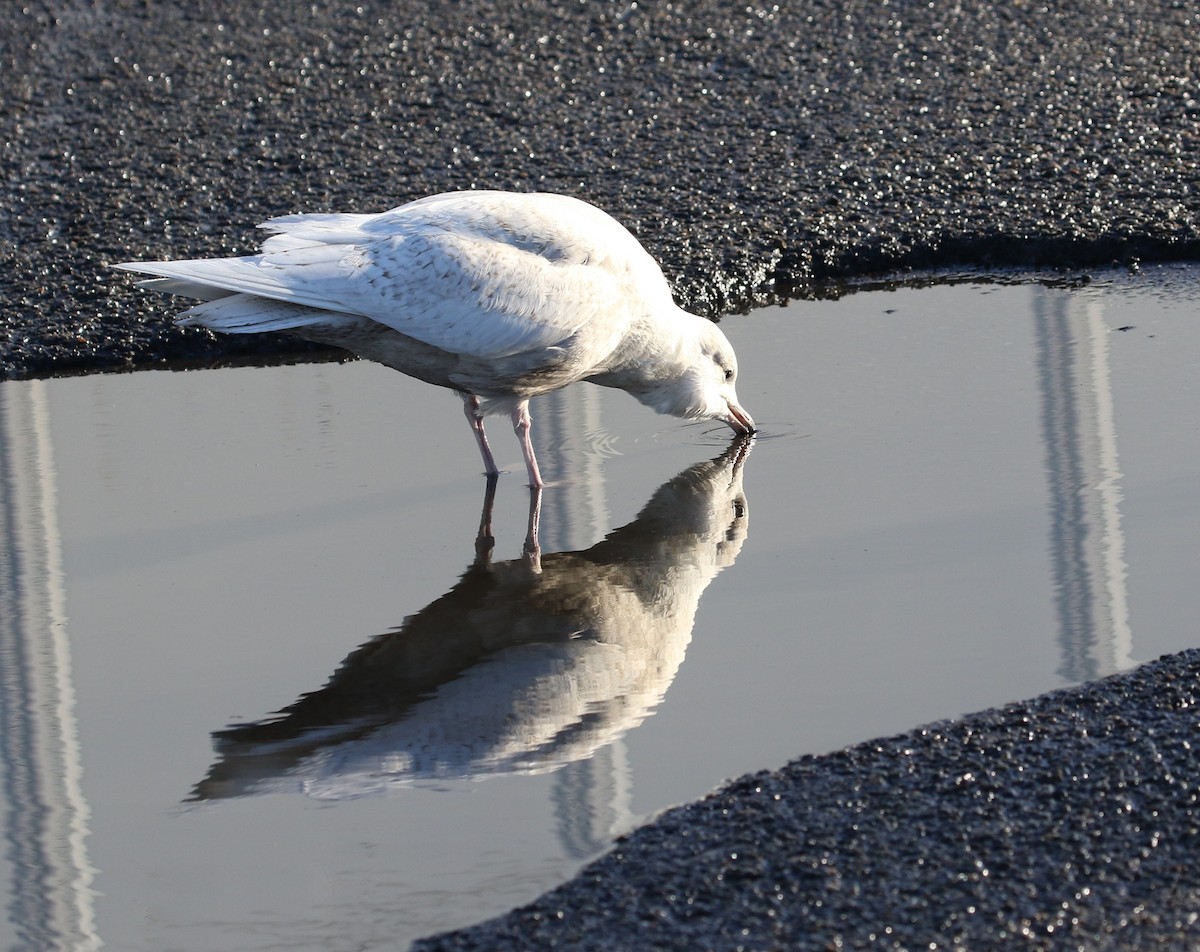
x=961, y=496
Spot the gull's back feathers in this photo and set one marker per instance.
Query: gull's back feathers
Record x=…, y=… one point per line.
x=483, y=274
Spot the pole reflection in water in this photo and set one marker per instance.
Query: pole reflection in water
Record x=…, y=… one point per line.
x=514, y=670
x=592, y=797
x=1087, y=543
x=45, y=812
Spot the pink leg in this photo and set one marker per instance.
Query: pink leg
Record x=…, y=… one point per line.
x=475, y=418
x=522, y=423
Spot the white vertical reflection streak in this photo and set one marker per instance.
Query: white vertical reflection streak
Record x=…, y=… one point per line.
x=1087, y=541
x=47, y=814
x=1115, y=571
x=592, y=797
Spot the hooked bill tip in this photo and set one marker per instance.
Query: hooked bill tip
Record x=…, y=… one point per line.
x=739, y=420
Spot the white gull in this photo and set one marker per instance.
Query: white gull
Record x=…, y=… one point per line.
x=499, y=296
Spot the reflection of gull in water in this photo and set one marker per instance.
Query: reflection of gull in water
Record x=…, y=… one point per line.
x=513, y=670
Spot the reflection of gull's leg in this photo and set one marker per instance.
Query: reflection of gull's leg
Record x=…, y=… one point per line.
x=522, y=423
x=485, y=541
x=533, y=549
x=475, y=418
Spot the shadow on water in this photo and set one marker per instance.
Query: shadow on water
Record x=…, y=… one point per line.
x=524, y=666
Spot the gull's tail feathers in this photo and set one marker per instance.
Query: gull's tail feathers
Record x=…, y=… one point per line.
x=185, y=288
x=299, y=230
x=247, y=314
x=298, y=273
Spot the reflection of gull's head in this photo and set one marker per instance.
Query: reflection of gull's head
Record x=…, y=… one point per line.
x=706, y=507
x=511, y=670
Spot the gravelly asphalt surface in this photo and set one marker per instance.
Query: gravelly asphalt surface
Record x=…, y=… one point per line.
x=754, y=151
x=757, y=153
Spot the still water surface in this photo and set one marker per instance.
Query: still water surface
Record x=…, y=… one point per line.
x=962, y=495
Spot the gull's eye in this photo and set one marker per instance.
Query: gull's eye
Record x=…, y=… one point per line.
x=728, y=374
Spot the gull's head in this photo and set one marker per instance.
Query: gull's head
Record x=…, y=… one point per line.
x=703, y=386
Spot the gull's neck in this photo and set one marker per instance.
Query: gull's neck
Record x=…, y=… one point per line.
x=655, y=349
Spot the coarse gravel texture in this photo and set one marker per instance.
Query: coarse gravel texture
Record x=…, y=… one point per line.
x=1068, y=822
x=756, y=150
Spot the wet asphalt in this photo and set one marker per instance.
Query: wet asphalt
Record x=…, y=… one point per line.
x=759, y=153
